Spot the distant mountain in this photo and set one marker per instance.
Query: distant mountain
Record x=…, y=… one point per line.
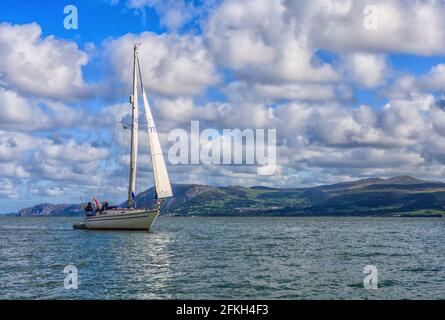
x=398, y=196
x=47, y=209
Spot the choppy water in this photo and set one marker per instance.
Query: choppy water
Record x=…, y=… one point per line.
x=231, y=258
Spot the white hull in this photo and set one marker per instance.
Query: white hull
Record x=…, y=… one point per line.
x=122, y=219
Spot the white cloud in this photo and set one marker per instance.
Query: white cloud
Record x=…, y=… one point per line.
x=366, y=158
x=13, y=170
x=13, y=145
x=435, y=79
x=411, y=86
x=403, y=26
x=25, y=156
x=173, y=13
x=367, y=69
x=8, y=189
x=25, y=114
x=171, y=64
x=74, y=151
x=48, y=191
x=252, y=38
x=42, y=67
x=18, y=113
x=257, y=92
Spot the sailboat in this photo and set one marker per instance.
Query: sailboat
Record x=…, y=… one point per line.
x=130, y=218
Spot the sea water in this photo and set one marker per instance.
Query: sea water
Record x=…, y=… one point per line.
x=225, y=258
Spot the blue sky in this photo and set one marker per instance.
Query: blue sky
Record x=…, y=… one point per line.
x=351, y=95
x=97, y=20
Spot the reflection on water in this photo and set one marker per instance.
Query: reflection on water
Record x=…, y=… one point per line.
x=234, y=258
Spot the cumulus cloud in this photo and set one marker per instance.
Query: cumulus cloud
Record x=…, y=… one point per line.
x=366, y=158
x=171, y=64
x=252, y=38
x=173, y=13
x=366, y=69
x=397, y=125
x=43, y=67
x=329, y=136
x=289, y=65
x=323, y=138
x=17, y=112
x=14, y=144
x=25, y=156
x=26, y=114
x=435, y=79
x=257, y=92
x=400, y=26
x=410, y=86
x=8, y=189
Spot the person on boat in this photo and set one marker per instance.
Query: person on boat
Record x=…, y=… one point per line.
x=97, y=205
x=89, y=207
x=89, y=210
x=105, y=206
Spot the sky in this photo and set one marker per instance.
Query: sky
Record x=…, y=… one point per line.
x=354, y=89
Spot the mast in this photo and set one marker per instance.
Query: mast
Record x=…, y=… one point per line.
x=134, y=131
x=162, y=182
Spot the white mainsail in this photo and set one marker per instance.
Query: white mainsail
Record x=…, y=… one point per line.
x=161, y=179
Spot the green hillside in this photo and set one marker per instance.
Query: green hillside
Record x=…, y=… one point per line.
x=398, y=196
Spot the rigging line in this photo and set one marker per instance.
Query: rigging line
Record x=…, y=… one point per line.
x=101, y=188
x=121, y=167
x=113, y=140
x=126, y=170
x=140, y=73
x=143, y=91
x=142, y=88
x=107, y=161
